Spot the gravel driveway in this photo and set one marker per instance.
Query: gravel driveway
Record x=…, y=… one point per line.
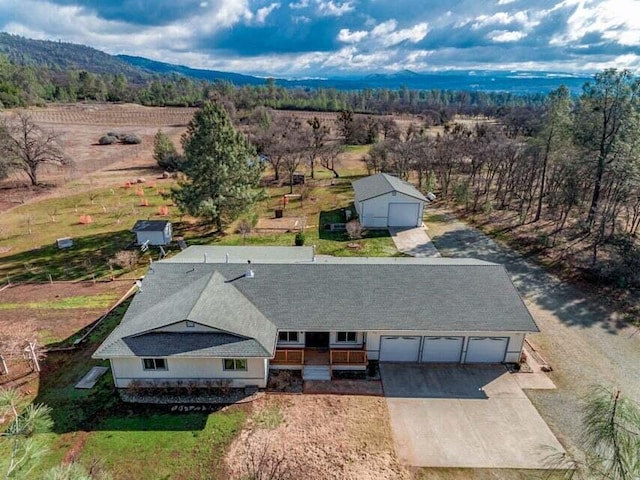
x=585, y=342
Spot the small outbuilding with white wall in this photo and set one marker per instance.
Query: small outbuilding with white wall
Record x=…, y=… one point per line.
x=156, y=232
x=383, y=201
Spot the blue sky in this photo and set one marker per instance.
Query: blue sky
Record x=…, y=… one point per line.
x=319, y=38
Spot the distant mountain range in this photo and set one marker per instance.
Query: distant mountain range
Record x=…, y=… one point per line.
x=63, y=56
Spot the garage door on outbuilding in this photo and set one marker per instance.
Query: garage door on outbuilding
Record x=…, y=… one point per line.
x=383, y=201
x=486, y=349
x=442, y=349
x=403, y=214
x=399, y=349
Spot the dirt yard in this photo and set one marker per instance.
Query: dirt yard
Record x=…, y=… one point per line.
x=80, y=127
x=52, y=313
x=320, y=437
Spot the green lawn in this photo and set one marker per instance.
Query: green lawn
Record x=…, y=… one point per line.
x=103, y=300
x=128, y=441
x=34, y=256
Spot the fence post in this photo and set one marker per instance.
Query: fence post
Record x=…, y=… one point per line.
x=34, y=357
x=4, y=370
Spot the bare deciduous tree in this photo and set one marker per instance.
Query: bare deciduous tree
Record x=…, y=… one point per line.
x=29, y=147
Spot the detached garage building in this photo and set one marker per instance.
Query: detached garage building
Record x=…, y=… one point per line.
x=383, y=201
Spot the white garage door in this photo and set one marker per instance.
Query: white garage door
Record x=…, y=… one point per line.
x=399, y=349
x=442, y=349
x=486, y=349
x=404, y=214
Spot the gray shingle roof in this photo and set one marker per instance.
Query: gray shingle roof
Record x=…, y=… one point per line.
x=382, y=183
x=173, y=293
x=166, y=344
x=149, y=226
x=435, y=296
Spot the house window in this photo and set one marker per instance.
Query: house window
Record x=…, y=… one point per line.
x=190, y=324
x=347, y=337
x=288, y=337
x=235, y=364
x=154, y=363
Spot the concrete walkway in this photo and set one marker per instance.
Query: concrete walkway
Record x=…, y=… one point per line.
x=413, y=241
x=91, y=378
x=585, y=342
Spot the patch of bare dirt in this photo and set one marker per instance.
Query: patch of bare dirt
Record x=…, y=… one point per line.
x=80, y=127
x=321, y=437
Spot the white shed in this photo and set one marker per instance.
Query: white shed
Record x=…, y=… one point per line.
x=156, y=232
x=385, y=201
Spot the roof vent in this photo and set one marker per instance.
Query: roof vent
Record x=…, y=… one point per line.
x=205, y=257
x=139, y=285
x=226, y=258
x=249, y=273
x=314, y=252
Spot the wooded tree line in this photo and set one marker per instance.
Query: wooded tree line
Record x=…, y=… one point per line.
x=576, y=165
x=22, y=85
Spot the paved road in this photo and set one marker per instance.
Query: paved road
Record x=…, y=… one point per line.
x=586, y=343
x=413, y=241
x=464, y=417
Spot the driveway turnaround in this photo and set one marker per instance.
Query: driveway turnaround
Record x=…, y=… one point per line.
x=413, y=241
x=464, y=417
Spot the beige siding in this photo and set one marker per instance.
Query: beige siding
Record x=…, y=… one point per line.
x=126, y=369
x=513, y=348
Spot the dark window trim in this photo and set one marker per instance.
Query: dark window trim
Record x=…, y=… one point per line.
x=346, y=337
x=235, y=365
x=155, y=364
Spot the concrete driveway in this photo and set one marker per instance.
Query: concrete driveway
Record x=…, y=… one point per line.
x=413, y=241
x=465, y=417
x=583, y=338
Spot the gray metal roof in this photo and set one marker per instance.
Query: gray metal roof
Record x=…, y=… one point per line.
x=381, y=184
x=437, y=296
x=240, y=254
x=149, y=226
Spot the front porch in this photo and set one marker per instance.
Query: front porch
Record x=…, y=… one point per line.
x=317, y=358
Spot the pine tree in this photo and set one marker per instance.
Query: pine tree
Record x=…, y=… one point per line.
x=221, y=168
x=164, y=151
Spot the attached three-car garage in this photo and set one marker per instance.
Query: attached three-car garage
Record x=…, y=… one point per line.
x=443, y=349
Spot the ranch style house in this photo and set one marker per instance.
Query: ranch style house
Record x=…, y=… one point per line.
x=207, y=314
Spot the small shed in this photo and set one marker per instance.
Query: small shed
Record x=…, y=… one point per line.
x=383, y=201
x=156, y=232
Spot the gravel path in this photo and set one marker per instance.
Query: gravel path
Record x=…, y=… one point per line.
x=585, y=342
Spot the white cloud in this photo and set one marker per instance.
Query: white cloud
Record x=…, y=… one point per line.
x=333, y=9
x=505, y=2
x=384, y=28
x=347, y=36
x=503, y=18
x=299, y=5
x=616, y=20
x=263, y=13
x=413, y=35
x=388, y=35
x=506, y=35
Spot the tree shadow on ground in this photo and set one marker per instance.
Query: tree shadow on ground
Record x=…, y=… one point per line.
x=100, y=408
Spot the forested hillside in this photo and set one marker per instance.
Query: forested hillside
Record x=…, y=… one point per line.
x=64, y=56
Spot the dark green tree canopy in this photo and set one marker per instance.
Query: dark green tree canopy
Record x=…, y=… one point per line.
x=221, y=168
